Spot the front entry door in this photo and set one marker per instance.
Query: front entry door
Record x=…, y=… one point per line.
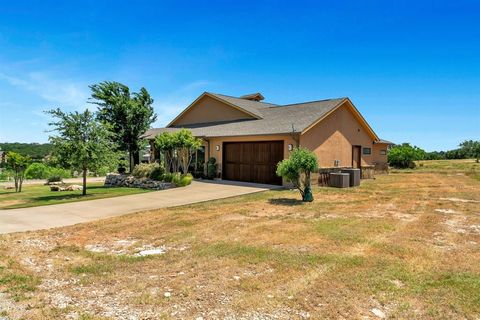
x=356, y=156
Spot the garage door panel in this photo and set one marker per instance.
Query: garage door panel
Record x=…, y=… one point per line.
x=253, y=161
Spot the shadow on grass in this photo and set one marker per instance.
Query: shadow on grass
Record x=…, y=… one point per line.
x=61, y=196
x=285, y=202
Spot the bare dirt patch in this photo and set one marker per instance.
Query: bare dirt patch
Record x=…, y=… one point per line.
x=396, y=247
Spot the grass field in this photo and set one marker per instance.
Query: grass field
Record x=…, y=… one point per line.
x=405, y=245
x=40, y=195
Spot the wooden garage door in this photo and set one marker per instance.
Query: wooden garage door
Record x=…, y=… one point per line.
x=252, y=161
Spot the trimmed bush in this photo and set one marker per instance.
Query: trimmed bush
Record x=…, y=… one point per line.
x=211, y=168
x=145, y=170
x=185, y=180
x=168, y=177
x=157, y=173
x=176, y=177
x=54, y=179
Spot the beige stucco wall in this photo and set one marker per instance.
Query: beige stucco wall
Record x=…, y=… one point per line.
x=332, y=139
x=377, y=157
x=208, y=109
x=287, y=139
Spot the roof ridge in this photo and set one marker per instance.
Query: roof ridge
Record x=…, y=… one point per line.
x=314, y=101
x=226, y=95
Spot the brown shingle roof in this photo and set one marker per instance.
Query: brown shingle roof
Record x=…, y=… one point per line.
x=275, y=119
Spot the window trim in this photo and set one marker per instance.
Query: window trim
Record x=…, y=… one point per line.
x=366, y=151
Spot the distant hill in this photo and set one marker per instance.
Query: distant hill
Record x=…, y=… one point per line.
x=37, y=151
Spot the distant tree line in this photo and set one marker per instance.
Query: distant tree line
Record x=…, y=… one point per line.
x=36, y=151
x=404, y=155
x=469, y=149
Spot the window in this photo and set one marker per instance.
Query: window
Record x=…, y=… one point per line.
x=367, y=150
x=383, y=152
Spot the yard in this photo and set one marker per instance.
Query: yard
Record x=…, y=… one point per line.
x=39, y=195
x=405, y=245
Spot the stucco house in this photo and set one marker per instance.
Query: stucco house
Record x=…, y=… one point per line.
x=248, y=137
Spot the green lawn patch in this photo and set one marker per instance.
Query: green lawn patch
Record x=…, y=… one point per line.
x=40, y=195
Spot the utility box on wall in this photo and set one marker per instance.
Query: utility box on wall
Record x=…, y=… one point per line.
x=339, y=180
x=355, y=175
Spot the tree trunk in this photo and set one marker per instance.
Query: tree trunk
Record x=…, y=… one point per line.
x=20, y=183
x=130, y=164
x=84, y=187
x=136, y=157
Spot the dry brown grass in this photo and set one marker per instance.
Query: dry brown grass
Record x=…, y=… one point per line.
x=382, y=245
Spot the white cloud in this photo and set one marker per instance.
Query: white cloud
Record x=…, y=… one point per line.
x=63, y=92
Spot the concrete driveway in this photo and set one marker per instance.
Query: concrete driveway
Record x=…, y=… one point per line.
x=44, y=217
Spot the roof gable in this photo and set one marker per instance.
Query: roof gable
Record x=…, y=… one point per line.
x=210, y=107
x=351, y=107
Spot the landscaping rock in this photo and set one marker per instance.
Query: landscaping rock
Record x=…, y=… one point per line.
x=122, y=180
x=379, y=313
x=73, y=187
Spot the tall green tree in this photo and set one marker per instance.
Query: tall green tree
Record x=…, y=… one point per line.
x=129, y=115
x=82, y=142
x=18, y=164
x=471, y=149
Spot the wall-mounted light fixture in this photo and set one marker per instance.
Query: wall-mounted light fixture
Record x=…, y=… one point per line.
x=290, y=147
x=217, y=147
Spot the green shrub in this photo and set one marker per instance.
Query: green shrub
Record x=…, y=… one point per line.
x=176, y=177
x=211, y=168
x=63, y=173
x=185, y=180
x=39, y=170
x=157, y=173
x=403, y=156
x=168, y=177
x=6, y=175
x=144, y=170
x=54, y=179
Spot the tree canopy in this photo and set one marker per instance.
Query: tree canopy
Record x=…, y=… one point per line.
x=178, y=148
x=128, y=114
x=404, y=155
x=81, y=142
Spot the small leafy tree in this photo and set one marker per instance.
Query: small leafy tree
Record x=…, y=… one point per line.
x=187, y=144
x=82, y=142
x=403, y=156
x=128, y=114
x=178, y=148
x=297, y=170
x=18, y=164
x=166, y=143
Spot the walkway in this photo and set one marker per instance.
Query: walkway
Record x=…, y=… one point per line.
x=44, y=217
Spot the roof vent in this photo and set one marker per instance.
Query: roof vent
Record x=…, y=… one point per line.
x=253, y=97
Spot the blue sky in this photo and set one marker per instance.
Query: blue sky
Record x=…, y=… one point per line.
x=411, y=67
